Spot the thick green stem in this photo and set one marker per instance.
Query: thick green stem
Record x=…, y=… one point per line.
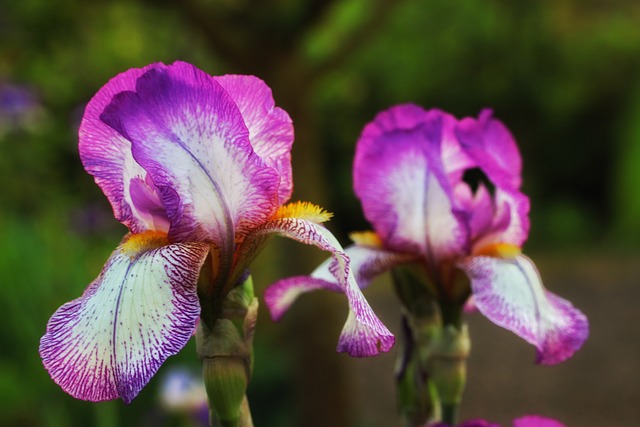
x=226, y=352
x=431, y=371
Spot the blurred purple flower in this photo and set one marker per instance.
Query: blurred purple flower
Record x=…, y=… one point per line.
x=19, y=107
x=183, y=392
x=410, y=174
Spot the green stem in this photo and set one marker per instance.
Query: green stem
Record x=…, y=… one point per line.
x=431, y=373
x=450, y=414
x=225, y=347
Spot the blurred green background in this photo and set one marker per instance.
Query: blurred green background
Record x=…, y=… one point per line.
x=564, y=75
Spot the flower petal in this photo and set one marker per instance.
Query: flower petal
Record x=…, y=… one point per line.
x=107, y=156
x=365, y=263
x=270, y=127
x=536, y=421
x=405, y=192
x=510, y=293
x=510, y=221
x=140, y=310
x=493, y=148
x=363, y=333
x=189, y=135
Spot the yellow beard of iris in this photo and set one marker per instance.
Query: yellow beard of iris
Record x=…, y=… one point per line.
x=140, y=243
x=498, y=250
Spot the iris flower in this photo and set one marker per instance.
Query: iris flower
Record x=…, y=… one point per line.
x=413, y=174
x=197, y=167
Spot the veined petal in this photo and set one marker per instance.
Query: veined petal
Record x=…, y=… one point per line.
x=106, y=155
x=189, y=135
x=365, y=263
x=363, y=333
x=270, y=127
x=405, y=192
x=141, y=309
x=510, y=293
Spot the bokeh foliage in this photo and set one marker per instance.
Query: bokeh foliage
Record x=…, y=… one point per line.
x=564, y=76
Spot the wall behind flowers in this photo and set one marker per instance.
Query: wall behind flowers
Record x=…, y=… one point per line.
x=563, y=75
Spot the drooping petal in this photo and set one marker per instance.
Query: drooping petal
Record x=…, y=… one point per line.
x=363, y=333
x=189, y=135
x=509, y=292
x=106, y=155
x=365, y=263
x=405, y=191
x=140, y=310
x=536, y=421
x=270, y=127
x=493, y=148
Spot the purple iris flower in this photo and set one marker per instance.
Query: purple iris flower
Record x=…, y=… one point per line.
x=526, y=421
x=410, y=173
x=196, y=167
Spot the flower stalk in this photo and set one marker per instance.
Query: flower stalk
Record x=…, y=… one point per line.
x=431, y=370
x=226, y=352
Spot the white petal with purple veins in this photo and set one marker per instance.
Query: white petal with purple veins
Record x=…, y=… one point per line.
x=363, y=334
x=510, y=293
x=140, y=310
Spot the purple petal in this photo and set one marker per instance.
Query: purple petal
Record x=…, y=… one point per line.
x=490, y=144
x=107, y=156
x=509, y=222
x=536, y=421
x=270, y=127
x=510, y=293
x=469, y=423
x=365, y=263
x=190, y=137
x=368, y=262
x=405, y=192
x=142, y=309
x=281, y=295
x=363, y=334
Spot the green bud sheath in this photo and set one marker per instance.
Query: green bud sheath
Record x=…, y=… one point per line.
x=226, y=351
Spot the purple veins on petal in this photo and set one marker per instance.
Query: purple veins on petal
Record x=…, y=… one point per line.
x=509, y=292
x=363, y=334
x=140, y=310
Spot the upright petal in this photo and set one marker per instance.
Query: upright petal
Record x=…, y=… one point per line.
x=363, y=333
x=510, y=293
x=510, y=222
x=490, y=144
x=189, y=135
x=405, y=192
x=270, y=127
x=107, y=156
x=140, y=310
